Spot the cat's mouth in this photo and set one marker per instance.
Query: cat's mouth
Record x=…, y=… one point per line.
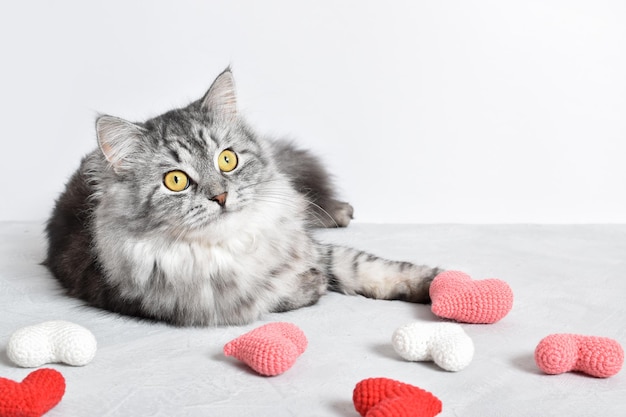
x=209, y=219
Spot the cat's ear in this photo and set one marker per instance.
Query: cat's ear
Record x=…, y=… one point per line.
x=220, y=102
x=119, y=141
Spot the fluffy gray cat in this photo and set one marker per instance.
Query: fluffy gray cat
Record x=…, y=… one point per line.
x=193, y=219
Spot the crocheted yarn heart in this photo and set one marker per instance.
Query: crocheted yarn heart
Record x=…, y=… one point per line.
x=270, y=349
x=384, y=397
x=601, y=357
x=39, y=392
x=52, y=342
x=456, y=296
x=402, y=407
x=446, y=344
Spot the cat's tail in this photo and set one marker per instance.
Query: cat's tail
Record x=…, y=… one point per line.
x=351, y=271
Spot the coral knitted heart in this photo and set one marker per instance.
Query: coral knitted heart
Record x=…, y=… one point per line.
x=456, y=296
x=384, y=397
x=270, y=349
x=39, y=392
x=601, y=357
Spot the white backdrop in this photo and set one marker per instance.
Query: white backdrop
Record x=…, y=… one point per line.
x=426, y=111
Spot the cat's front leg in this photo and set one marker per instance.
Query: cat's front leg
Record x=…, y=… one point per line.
x=351, y=271
x=310, y=286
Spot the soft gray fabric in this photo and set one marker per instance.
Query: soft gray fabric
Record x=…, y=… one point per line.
x=565, y=279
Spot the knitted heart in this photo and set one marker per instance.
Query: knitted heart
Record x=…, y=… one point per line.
x=39, y=392
x=402, y=407
x=601, y=357
x=446, y=344
x=270, y=349
x=384, y=397
x=456, y=296
x=52, y=342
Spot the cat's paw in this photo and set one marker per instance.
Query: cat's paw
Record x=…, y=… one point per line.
x=342, y=214
x=313, y=284
x=333, y=214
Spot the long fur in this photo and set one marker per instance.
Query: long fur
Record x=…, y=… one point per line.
x=119, y=239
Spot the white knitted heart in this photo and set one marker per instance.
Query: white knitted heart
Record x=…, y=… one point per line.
x=52, y=342
x=446, y=344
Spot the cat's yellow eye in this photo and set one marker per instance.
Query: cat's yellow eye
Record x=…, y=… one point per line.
x=227, y=161
x=176, y=181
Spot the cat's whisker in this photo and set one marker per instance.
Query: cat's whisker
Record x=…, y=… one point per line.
x=256, y=184
x=313, y=210
x=320, y=208
x=318, y=214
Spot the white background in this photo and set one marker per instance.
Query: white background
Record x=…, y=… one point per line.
x=438, y=111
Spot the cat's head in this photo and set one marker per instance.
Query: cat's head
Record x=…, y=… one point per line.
x=187, y=168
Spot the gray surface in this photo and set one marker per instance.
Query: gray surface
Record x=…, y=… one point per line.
x=565, y=279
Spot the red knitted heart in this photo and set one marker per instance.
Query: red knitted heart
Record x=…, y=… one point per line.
x=456, y=296
x=39, y=392
x=384, y=397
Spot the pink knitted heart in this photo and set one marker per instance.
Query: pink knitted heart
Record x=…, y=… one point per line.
x=270, y=349
x=596, y=356
x=456, y=296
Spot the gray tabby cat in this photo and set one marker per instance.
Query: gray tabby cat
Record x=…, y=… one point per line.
x=192, y=219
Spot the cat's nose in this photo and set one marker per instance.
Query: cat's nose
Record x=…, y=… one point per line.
x=220, y=199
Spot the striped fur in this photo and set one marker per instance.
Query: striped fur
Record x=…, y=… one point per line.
x=122, y=241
